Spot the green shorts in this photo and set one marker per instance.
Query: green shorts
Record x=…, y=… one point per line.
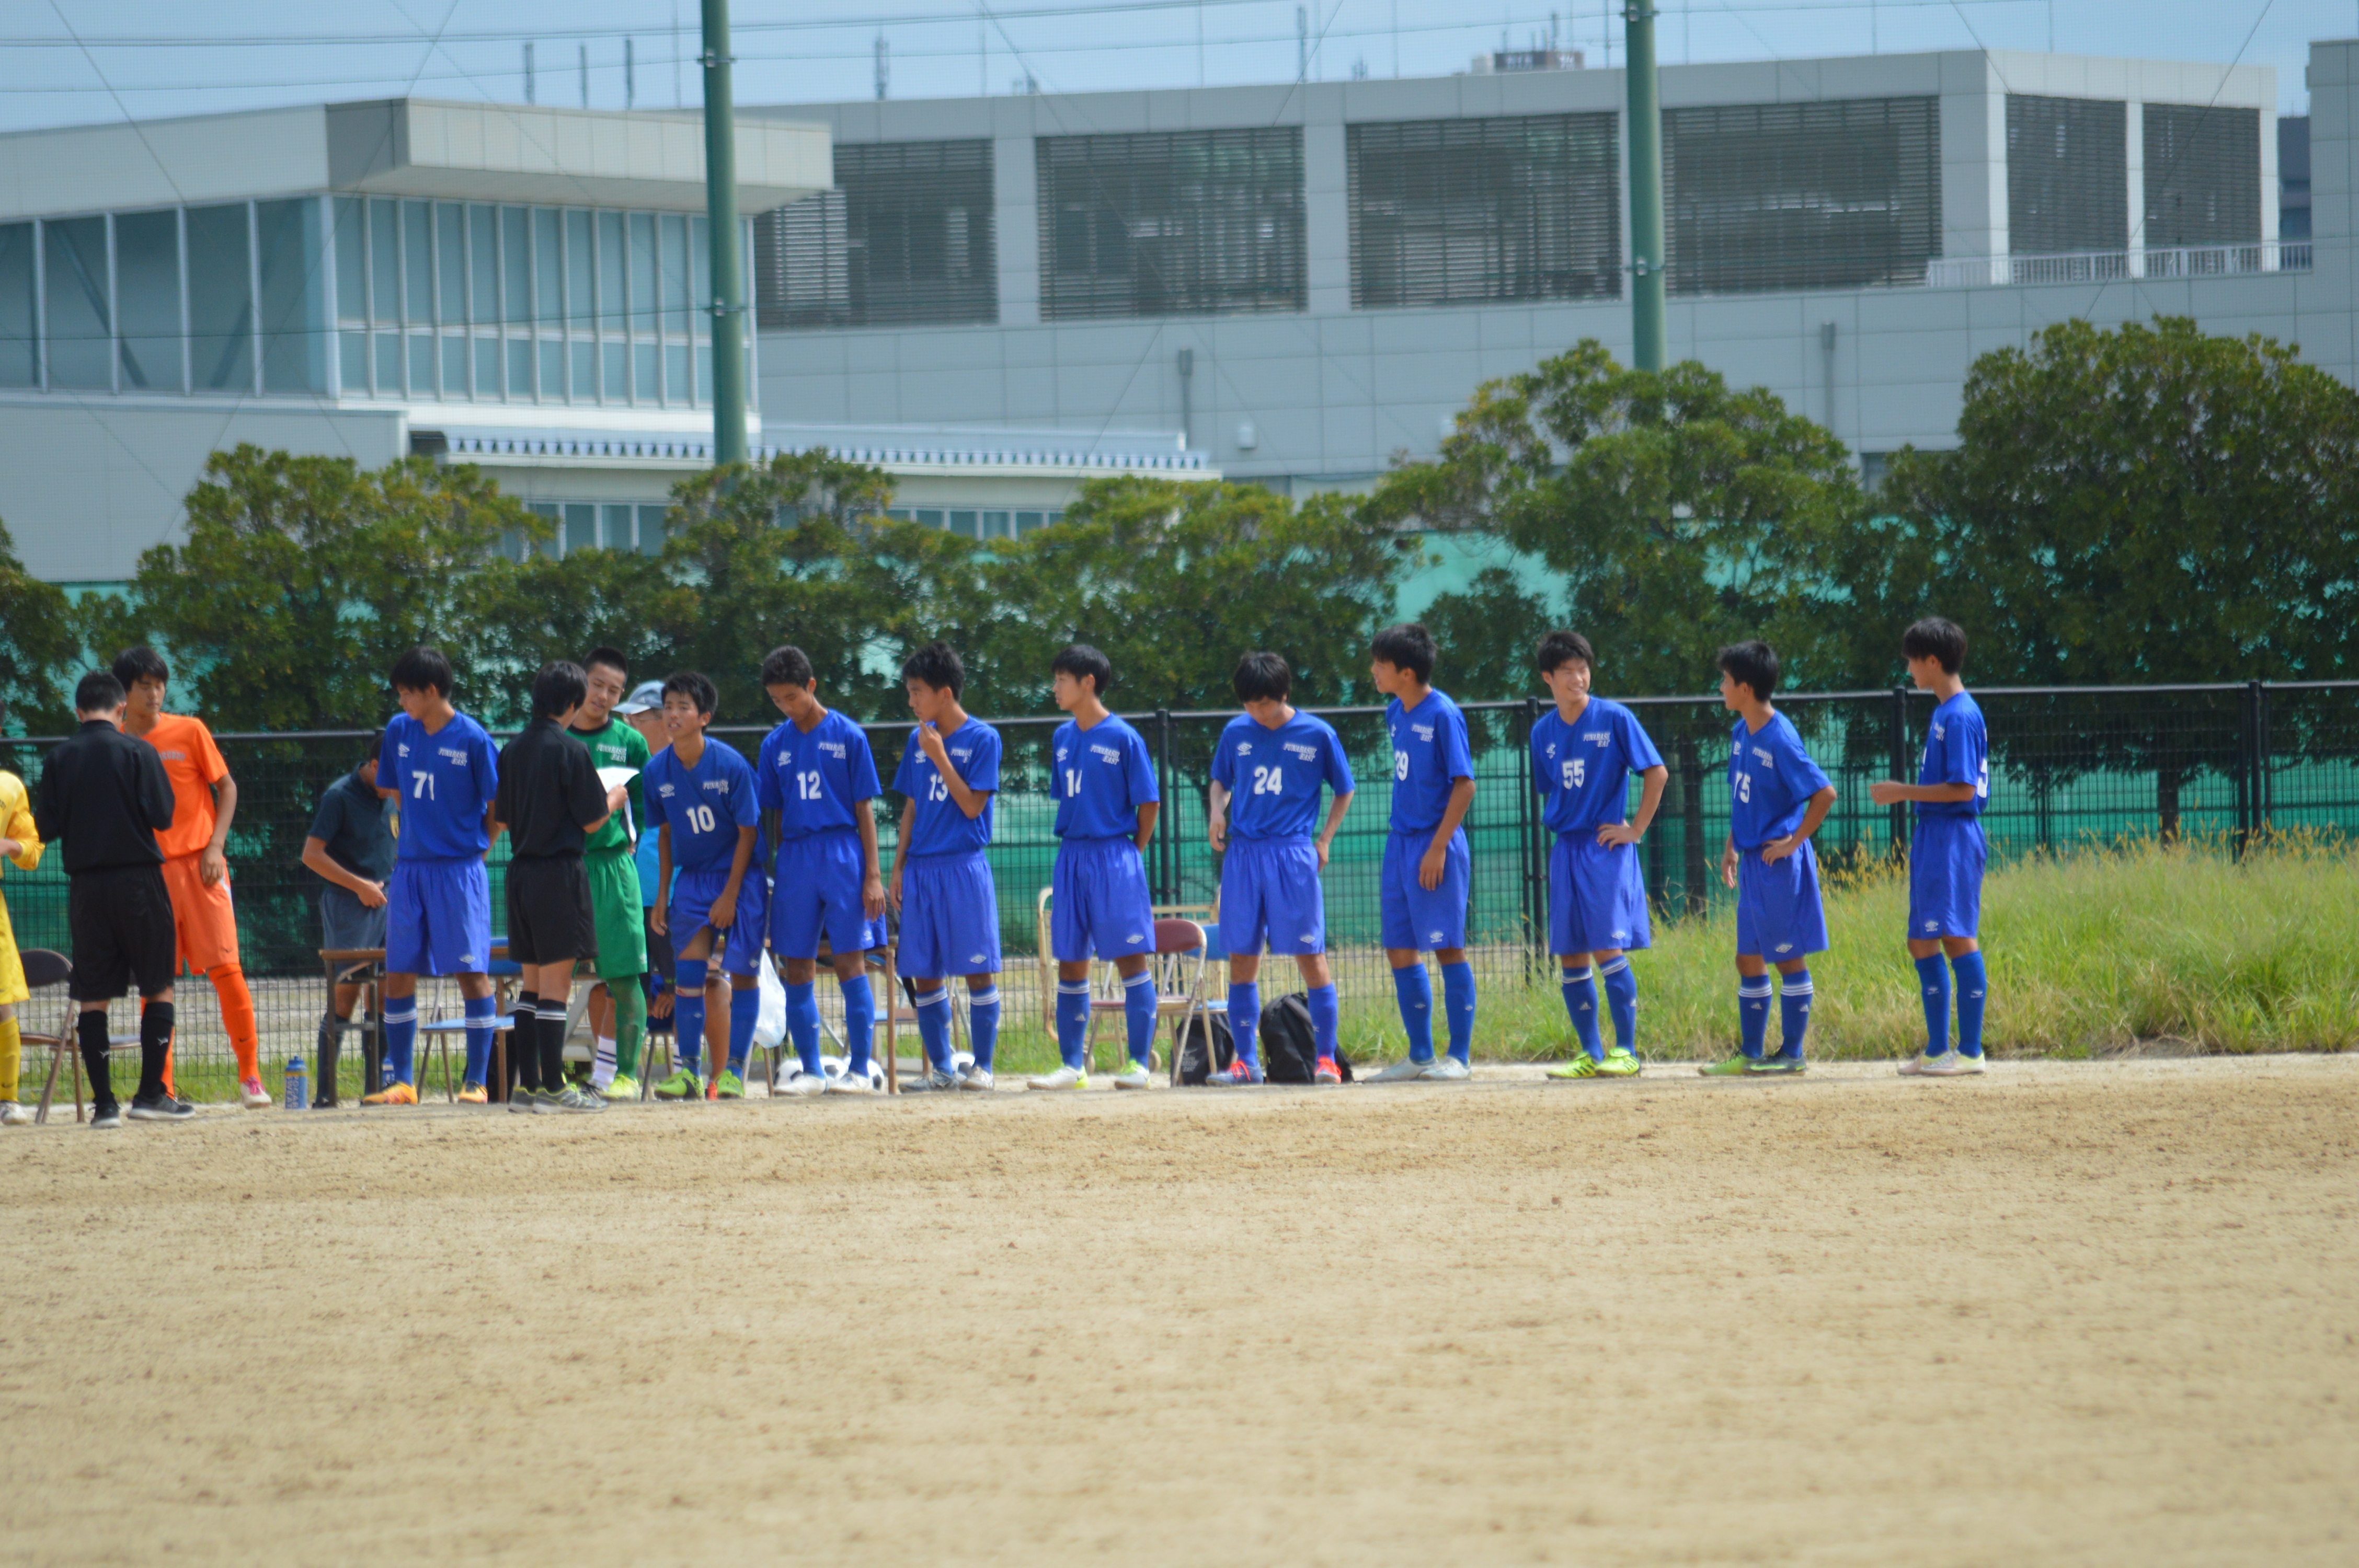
x=614, y=903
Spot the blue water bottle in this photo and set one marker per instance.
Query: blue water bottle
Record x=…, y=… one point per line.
x=298, y=1085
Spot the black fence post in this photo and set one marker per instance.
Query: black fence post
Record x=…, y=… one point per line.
x=1699, y=893
x=1165, y=863
x=2248, y=765
x=2264, y=746
x=1528, y=817
x=1901, y=769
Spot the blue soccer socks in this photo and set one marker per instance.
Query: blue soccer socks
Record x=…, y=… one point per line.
x=688, y=1012
x=1581, y=1006
x=859, y=1022
x=1072, y=1021
x=1752, y=1013
x=1794, y=992
x=482, y=1022
x=1458, y=1002
x=1245, y=1017
x=802, y=1024
x=1974, y=982
x=400, y=1039
x=1138, y=1012
x=1933, y=979
x=934, y=1026
x=1324, y=1015
x=983, y=1024
x=1621, y=999
x=1414, y=991
x=745, y=1011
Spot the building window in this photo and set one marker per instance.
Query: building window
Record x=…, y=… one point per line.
x=907, y=236
x=2067, y=176
x=81, y=327
x=1843, y=194
x=1446, y=211
x=221, y=299
x=2202, y=176
x=1176, y=223
x=19, y=342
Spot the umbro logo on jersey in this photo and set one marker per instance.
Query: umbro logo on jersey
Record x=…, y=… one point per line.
x=401, y=748
x=1244, y=747
x=974, y=957
x=1135, y=938
x=1931, y=926
x=1621, y=936
x=663, y=789
x=1784, y=947
x=1435, y=935
x=1310, y=937
x=466, y=957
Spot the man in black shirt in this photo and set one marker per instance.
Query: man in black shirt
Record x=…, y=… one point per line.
x=104, y=797
x=351, y=847
x=549, y=803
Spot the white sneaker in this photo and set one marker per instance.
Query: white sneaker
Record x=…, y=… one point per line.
x=977, y=1079
x=1134, y=1076
x=1448, y=1070
x=253, y=1095
x=13, y=1115
x=1409, y=1070
x=803, y=1085
x=851, y=1084
x=1062, y=1079
x=1922, y=1065
x=1971, y=1066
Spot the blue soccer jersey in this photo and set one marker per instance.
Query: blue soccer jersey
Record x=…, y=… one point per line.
x=1102, y=777
x=446, y=780
x=1273, y=775
x=1582, y=769
x=940, y=827
x=814, y=780
x=1430, y=751
x=704, y=806
x=1770, y=780
x=1957, y=751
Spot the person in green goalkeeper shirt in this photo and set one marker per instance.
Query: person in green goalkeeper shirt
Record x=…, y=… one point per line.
x=618, y=1007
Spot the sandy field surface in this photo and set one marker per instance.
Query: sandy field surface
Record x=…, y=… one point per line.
x=2070, y=1312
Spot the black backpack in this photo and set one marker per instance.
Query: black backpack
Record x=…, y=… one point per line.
x=1289, y=1047
x=1202, y=1030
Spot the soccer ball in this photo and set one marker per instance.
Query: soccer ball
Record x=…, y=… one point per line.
x=835, y=1068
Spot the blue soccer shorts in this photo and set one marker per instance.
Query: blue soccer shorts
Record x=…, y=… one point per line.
x=1778, y=916
x=692, y=893
x=1418, y=919
x=818, y=889
x=1098, y=907
x=1270, y=897
x=1945, y=878
x=439, y=918
x=1597, y=896
x=950, y=917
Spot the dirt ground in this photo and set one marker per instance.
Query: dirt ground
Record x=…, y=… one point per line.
x=2070, y=1312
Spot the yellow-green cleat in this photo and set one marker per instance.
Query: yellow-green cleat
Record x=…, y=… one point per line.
x=1620, y=1064
x=682, y=1084
x=732, y=1087
x=1731, y=1067
x=1580, y=1066
x=625, y=1086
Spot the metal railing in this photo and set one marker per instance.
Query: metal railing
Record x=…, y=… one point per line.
x=2114, y=267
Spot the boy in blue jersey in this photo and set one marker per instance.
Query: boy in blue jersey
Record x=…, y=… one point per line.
x=700, y=801
x=1778, y=798
x=941, y=879
x=1583, y=752
x=443, y=773
x=1266, y=773
x=1946, y=855
x=819, y=787
x=1427, y=868
x=1104, y=783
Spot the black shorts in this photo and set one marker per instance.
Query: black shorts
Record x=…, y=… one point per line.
x=121, y=919
x=549, y=917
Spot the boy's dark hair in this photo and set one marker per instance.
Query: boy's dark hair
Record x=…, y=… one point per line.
x=938, y=665
x=98, y=692
x=1080, y=660
x=1753, y=663
x=785, y=667
x=1409, y=647
x=1262, y=677
x=611, y=658
x=143, y=662
x=1558, y=647
x=423, y=669
x=1934, y=638
x=558, y=689
x=376, y=749
x=699, y=689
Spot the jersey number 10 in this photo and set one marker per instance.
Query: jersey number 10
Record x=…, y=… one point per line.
x=700, y=819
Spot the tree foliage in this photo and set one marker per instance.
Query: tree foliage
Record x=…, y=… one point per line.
x=38, y=646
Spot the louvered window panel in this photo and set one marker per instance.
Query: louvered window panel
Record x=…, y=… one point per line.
x=2202, y=176
x=1175, y=223
x=1446, y=211
x=2067, y=176
x=906, y=237
x=1843, y=194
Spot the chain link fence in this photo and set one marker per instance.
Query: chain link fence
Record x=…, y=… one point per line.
x=2069, y=768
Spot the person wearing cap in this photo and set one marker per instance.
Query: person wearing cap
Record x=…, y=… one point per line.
x=350, y=849
x=618, y=1004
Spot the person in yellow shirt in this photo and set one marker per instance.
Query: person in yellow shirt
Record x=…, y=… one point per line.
x=20, y=841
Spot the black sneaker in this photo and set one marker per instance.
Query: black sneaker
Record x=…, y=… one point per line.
x=164, y=1108
x=106, y=1118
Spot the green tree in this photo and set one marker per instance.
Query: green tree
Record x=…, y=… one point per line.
x=38, y=648
x=517, y=615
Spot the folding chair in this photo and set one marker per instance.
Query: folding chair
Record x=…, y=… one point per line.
x=44, y=968
x=1177, y=967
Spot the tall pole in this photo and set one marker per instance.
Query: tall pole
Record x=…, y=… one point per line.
x=728, y=270
x=1646, y=328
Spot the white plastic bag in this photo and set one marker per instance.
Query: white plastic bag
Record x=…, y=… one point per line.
x=770, y=1023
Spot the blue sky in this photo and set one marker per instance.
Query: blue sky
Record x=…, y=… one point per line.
x=148, y=57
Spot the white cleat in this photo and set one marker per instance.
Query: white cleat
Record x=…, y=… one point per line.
x=803, y=1085
x=1134, y=1076
x=1448, y=1070
x=1062, y=1079
x=1972, y=1066
x=851, y=1084
x=1409, y=1070
x=977, y=1081
x=1943, y=1066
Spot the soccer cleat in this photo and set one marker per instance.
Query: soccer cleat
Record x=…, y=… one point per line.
x=473, y=1094
x=1448, y=1070
x=1134, y=1076
x=1944, y=1065
x=253, y=1095
x=1621, y=1064
x=851, y=1084
x=392, y=1094
x=932, y=1081
x=731, y=1086
x=623, y=1087
x=1728, y=1067
x=1409, y=1070
x=1327, y=1071
x=1236, y=1075
x=1972, y=1064
x=13, y=1115
x=577, y=1100
x=682, y=1085
x=523, y=1101
x=1580, y=1066
x=1779, y=1065
x=106, y=1118
x=977, y=1080
x=1062, y=1079
x=163, y=1108
x=803, y=1085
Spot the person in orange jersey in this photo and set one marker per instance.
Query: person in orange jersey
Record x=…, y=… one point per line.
x=196, y=866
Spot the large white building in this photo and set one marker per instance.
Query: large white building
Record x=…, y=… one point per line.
x=998, y=297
